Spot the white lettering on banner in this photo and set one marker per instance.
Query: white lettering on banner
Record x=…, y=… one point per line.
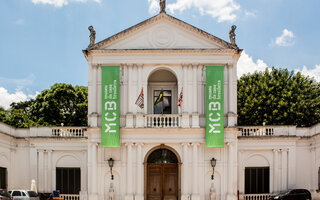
x=108, y=128
x=214, y=120
x=214, y=106
x=110, y=105
x=212, y=126
x=110, y=119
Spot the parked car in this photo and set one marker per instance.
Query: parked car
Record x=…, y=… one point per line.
x=296, y=194
x=24, y=195
x=4, y=195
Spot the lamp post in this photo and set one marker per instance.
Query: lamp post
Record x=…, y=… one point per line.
x=213, y=162
x=111, y=162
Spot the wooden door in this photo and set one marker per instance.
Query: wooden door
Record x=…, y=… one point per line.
x=162, y=182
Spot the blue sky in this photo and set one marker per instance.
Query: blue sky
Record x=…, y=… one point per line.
x=42, y=40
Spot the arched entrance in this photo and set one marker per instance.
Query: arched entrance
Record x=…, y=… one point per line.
x=162, y=170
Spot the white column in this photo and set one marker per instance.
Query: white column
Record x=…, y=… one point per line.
x=92, y=93
x=185, y=89
x=94, y=178
x=45, y=171
x=292, y=168
x=129, y=193
x=11, y=178
x=230, y=89
x=314, y=174
x=185, y=177
x=231, y=192
x=40, y=173
x=139, y=176
x=189, y=88
x=139, y=84
x=124, y=94
x=195, y=170
x=50, y=188
x=130, y=101
x=194, y=88
x=275, y=170
x=84, y=171
x=130, y=66
x=98, y=88
x=284, y=161
x=200, y=90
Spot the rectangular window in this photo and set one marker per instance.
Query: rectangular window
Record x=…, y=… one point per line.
x=163, y=107
x=68, y=180
x=3, y=178
x=257, y=180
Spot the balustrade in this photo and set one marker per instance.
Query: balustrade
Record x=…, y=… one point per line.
x=162, y=121
x=70, y=196
x=68, y=132
x=255, y=196
x=257, y=131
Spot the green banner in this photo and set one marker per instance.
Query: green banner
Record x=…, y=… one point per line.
x=110, y=118
x=214, y=106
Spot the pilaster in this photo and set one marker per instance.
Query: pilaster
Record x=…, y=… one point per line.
x=195, y=170
x=185, y=177
x=139, y=192
x=129, y=191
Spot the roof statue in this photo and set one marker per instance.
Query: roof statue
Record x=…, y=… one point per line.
x=232, y=35
x=162, y=6
x=92, y=36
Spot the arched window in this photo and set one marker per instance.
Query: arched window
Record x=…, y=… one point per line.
x=162, y=156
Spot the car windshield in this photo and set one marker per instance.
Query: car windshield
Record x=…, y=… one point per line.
x=32, y=194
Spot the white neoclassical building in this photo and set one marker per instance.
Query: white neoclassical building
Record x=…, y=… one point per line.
x=162, y=153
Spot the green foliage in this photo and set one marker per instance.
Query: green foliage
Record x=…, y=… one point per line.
x=62, y=103
x=278, y=97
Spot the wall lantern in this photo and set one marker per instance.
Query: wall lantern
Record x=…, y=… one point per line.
x=111, y=162
x=213, y=164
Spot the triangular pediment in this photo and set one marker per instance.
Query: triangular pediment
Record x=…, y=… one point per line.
x=163, y=32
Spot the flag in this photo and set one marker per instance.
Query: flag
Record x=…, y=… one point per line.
x=140, y=100
x=159, y=99
x=180, y=98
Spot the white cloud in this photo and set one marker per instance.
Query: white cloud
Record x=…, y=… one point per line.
x=7, y=98
x=284, y=40
x=60, y=3
x=247, y=65
x=223, y=10
x=314, y=73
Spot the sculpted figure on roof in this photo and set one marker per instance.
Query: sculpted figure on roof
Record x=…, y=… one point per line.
x=232, y=35
x=92, y=36
x=162, y=6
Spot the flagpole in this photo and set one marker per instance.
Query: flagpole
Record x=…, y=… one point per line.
x=162, y=100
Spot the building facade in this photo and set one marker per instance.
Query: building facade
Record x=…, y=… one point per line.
x=162, y=153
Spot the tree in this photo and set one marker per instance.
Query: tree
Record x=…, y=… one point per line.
x=278, y=97
x=3, y=114
x=62, y=103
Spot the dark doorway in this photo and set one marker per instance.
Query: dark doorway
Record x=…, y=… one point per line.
x=68, y=180
x=3, y=178
x=162, y=175
x=257, y=180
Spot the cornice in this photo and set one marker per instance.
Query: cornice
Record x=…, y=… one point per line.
x=179, y=52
